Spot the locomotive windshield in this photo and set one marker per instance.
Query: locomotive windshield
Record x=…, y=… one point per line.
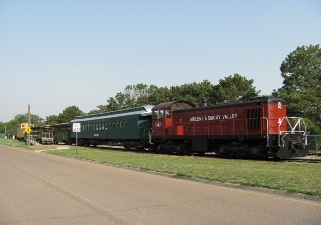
x=168, y=113
x=158, y=114
x=166, y=109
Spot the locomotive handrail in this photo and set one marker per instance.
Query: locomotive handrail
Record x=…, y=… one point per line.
x=150, y=136
x=295, y=129
x=267, y=131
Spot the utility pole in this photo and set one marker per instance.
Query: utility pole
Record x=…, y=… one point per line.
x=28, y=137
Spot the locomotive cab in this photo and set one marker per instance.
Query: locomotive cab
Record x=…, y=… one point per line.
x=162, y=118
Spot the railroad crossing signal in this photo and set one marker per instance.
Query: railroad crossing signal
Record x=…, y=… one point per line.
x=76, y=127
x=27, y=130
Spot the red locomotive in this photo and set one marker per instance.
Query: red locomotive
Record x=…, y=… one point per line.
x=257, y=128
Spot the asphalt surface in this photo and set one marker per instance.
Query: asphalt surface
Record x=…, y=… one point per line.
x=38, y=188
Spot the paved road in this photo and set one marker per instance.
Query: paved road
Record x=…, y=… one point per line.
x=38, y=188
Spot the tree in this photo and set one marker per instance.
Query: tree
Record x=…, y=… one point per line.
x=143, y=92
x=136, y=94
x=132, y=96
x=3, y=128
x=53, y=119
x=23, y=118
x=157, y=95
x=301, y=88
x=111, y=104
x=101, y=109
x=121, y=101
x=14, y=124
x=69, y=113
x=232, y=89
x=197, y=93
x=235, y=89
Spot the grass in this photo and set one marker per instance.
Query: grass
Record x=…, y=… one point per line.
x=292, y=177
x=12, y=143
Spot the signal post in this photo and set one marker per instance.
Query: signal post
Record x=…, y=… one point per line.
x=76, y=129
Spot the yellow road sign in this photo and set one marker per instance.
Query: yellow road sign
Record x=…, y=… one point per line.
x=27, y=130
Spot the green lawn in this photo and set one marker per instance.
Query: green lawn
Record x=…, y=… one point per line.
x=292, y=177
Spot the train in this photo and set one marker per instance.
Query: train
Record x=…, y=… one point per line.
x=40, y=134
x=258, y=128
x=21, y=134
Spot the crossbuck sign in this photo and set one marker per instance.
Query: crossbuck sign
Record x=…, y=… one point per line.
x=76, y=127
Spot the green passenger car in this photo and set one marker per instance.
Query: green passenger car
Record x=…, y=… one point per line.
x=61, y=133
x=129, y=127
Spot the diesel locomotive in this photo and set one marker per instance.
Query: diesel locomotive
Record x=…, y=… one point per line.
x=258, y=128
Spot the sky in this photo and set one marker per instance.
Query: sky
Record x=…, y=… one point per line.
x=62, y=53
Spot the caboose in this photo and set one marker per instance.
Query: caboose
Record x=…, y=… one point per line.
x=258, y=128
x=21, y=134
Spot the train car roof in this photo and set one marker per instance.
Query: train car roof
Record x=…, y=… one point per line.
x=60, y=125
x=254, y=101
x=42, y=127
x=141, y=111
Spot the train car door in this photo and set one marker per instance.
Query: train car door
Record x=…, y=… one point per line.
x=158, y=122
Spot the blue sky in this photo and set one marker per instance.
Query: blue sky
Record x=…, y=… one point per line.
x=56, y=54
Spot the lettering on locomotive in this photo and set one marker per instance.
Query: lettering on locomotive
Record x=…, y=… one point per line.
x=196, y=118
x=214, y=117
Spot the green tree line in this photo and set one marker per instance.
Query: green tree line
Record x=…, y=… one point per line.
x=300, y=70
